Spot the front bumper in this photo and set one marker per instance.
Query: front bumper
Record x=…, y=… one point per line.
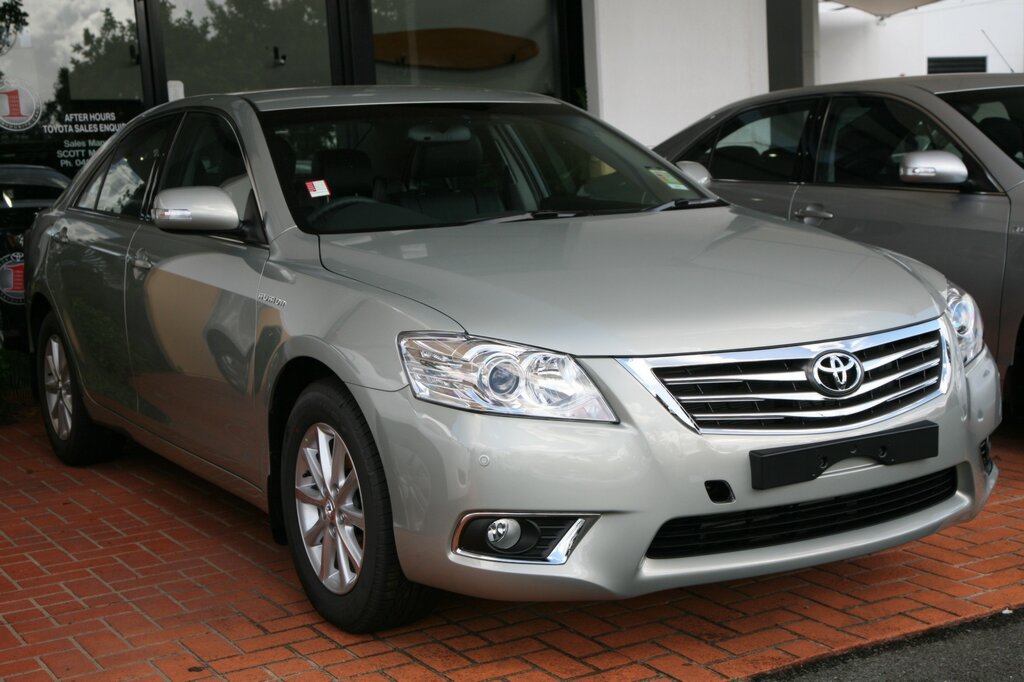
x=632, y=477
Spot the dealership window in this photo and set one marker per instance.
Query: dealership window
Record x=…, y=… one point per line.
x=225, y=46
x=74, y=72
x=69, y=78
x=509, y=45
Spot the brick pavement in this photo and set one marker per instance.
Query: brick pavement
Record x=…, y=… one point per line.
x=135, y=569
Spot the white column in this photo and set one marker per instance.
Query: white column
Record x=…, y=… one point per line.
x=656, y=66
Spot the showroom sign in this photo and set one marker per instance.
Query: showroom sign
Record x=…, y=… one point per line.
x=19, y=106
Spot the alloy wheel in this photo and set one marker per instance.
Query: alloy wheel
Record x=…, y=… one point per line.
x=329, y=508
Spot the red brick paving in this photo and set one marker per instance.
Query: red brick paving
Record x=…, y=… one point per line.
x=135, y=569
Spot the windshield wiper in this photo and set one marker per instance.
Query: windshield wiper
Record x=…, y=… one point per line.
x=540, y=214
x=678, y=204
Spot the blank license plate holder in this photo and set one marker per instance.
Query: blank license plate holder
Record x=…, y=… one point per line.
x=777, y=467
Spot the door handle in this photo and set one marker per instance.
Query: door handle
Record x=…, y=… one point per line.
x=62, y=236
x=141, y=261
x=813, y=212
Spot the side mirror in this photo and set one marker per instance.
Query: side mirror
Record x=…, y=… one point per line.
x=195, y=209
x=695, y=172
x=932, y=168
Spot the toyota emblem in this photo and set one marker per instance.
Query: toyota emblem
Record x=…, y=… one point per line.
x=836, y=373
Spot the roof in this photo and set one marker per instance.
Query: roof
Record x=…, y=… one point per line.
x=936, y=83
x=349, y=95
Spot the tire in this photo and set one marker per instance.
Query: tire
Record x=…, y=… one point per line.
x=74, y=437
x=362, y=587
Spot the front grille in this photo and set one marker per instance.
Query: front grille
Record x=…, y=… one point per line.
x=770, y=390
x=717, y=533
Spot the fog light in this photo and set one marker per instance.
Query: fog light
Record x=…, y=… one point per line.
x=504, y=533
x=540, y=538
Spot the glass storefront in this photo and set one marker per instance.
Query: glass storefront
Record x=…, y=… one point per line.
x=254, y=45
x=73, y=72
x=69, y=78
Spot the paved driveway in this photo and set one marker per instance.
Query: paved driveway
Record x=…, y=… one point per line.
x=135, y=569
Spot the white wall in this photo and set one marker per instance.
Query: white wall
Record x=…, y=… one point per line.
x=856, y=45
x=656, y=66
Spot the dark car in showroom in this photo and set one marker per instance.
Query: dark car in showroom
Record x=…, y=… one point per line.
x=929, y=166
x=24, y=191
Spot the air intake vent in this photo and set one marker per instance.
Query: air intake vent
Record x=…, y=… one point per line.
x=717, y=533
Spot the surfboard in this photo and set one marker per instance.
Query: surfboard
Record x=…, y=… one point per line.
x=466, y=49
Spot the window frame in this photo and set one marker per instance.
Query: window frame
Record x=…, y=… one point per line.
x=806, y=145
x=103, y=165
x=980, y=181
x=258, y=234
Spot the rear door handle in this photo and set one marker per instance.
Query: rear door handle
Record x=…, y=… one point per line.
x=62, y=236
x=813, y=212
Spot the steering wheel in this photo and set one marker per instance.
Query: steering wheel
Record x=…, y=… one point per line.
x=337, y=204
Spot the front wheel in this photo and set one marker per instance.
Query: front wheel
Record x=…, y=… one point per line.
x=338, y=516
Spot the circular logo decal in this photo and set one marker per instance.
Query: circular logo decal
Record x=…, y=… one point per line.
x=12, y=278
x=836, y=373
x=19, y=106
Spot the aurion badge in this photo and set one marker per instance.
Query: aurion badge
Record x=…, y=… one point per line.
x=19, y=106
x=836, y=373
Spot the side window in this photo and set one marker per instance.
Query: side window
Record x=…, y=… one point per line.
x=128, y=175
x=762, y=145
x=701, y=150
x=87, y=199
x=206, y=154
x=866, y=137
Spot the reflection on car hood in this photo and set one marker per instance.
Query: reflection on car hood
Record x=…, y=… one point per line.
x=641, y=284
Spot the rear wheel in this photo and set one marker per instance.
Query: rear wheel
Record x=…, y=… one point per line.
x=75, y=438
x=338, y=516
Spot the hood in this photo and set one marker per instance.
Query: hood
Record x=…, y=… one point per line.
x=675, y=282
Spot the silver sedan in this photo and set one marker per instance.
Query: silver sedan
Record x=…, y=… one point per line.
x=480, y=341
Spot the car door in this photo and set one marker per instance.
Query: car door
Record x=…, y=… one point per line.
x=191, y=309
x=88, y=246
x=856, y=193
x=757, y=157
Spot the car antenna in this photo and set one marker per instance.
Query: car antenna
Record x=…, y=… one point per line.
x=997, y=51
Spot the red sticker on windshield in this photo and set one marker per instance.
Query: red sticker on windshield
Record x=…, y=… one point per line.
x=318, y=188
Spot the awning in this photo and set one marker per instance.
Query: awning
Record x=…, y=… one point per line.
x=886, y=8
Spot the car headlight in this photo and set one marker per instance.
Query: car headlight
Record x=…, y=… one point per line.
x=966, y=320
x=504, y=378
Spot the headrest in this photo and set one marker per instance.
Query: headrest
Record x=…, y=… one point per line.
x=434, y=160
x=348, y=172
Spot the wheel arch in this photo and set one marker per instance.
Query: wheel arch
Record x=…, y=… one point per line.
x=39, y=307
x=293, y=378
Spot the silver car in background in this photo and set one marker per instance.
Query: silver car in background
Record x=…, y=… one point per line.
x=479, y=341
x=927, y=166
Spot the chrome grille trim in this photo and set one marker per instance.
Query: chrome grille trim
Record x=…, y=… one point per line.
x=768, y=390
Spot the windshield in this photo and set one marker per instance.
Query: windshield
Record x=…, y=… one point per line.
x=383, y=167
x=997, y=113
